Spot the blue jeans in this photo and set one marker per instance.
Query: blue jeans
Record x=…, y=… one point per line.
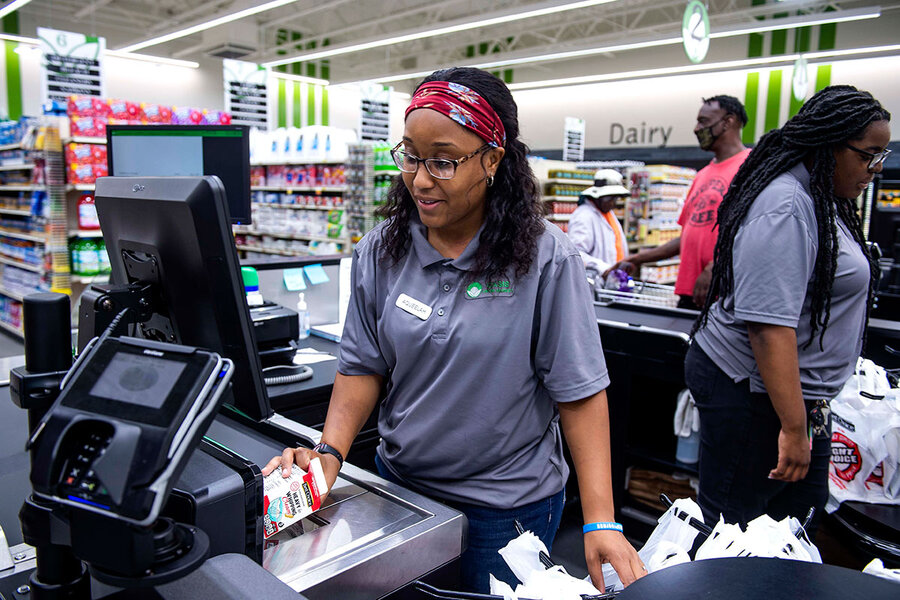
x=490, y=529
x=739, y=446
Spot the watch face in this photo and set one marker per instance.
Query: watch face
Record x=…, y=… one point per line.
x=695, y=31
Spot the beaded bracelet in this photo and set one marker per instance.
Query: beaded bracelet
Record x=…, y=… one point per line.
x=602, y=526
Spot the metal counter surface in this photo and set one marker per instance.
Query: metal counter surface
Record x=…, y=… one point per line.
x=370, y=538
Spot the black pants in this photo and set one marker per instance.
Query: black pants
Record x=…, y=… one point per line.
x=739, y=446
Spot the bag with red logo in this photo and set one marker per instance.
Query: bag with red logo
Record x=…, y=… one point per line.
x=865, y=440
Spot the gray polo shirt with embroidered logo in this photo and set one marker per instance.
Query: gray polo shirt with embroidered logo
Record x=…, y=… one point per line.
x=474, y=369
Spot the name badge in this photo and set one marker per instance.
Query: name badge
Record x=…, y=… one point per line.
x=413, y=306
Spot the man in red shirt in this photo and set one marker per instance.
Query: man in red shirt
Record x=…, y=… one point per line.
x=718, y=130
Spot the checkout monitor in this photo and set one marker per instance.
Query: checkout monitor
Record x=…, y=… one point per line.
x=186, y=150
x=174, y=232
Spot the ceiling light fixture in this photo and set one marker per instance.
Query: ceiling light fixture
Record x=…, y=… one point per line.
x=160, y=60
x=788, y=22
x=247, y=12
x=436, y=32
x=768, y=61
x=300, y=78
x=12, y=7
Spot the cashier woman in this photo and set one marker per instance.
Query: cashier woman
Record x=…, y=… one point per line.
x=787, y=308
x=475, y=317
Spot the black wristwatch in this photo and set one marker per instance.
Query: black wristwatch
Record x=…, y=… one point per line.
x=323, y=448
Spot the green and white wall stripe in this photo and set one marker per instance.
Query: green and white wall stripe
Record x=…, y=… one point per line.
x=298, y=104
x=11, y=75
x=768, y=97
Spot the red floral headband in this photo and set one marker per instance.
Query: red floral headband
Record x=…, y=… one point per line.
x=463, y=105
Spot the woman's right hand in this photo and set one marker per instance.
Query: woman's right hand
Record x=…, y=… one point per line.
x=793, y=456
x=301, y=458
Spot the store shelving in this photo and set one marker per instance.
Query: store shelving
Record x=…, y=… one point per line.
x=80, y=187
x=15, y=211
x=20, y=188
x=557, y=217
x=287, y=236
x=561, y=180
x=22, y=236
x=321, y=189
x=80, y=139
x=17, y=263
x=17, y=167
x=295, y=206
x=12, y=294
x=12, y=328
x=90, y=279
x=5, y=147
x=85, y=233
x=262, y=250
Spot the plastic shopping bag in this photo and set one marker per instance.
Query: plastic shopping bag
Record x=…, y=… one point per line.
x=669, y=543
x=865, y=440
x=522, y=555
x=764, y=538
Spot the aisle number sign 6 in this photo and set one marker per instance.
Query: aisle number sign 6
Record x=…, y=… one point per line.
x=695, y=31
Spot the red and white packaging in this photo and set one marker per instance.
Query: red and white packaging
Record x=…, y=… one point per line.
x=286, y=500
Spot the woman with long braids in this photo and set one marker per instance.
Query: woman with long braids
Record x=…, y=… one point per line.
x=476, y=318
x=787, y=309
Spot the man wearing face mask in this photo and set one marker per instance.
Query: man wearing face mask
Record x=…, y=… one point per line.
x=718, y=130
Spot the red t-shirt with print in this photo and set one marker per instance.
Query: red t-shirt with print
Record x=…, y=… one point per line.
x=698, y=219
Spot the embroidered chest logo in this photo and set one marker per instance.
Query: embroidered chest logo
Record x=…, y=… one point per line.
x=498, y=288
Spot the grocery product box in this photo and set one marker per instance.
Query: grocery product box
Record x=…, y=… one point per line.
x=287, y=500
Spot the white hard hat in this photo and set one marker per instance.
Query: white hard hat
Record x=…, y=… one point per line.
x=607, y=182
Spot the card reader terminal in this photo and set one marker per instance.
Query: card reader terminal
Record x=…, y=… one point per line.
x=122, y=429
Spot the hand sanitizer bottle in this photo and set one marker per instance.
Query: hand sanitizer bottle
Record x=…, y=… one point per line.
x=303, y=315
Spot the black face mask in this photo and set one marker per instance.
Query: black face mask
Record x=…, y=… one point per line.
x=706, y=137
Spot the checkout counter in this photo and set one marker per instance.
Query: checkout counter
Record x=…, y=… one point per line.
x=371, y=538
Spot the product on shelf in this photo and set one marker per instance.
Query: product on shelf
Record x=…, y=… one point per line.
x=11, y=312
x=23, y=251
x=313, y=144
x=88, y=257
x=574, y=174
x=87, y=213
x=89, y=116
x=21, y=281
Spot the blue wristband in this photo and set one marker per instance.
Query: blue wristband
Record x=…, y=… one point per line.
x=602, y=526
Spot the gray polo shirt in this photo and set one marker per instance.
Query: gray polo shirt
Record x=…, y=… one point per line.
x=774, y=256
x=474, y=371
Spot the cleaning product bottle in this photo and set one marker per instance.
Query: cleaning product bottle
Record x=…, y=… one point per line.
x=303, y=315
x=87, y=213
x=251, y=286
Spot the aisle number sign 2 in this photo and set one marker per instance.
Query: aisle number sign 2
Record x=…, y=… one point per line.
x=695, y=31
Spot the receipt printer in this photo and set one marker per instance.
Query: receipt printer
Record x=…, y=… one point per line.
x=276, y=329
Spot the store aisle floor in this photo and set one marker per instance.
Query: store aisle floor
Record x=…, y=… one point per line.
x=10, y=345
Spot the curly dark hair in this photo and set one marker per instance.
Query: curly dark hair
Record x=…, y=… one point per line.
x=731, y=106
x=834, y=115
x=513, y=207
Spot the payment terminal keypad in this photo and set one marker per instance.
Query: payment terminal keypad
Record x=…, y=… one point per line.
x=78, y=477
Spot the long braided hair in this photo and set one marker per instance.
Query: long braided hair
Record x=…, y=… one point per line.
x=513, y=209
x=834, y=115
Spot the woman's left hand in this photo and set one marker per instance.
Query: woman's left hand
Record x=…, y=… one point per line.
x=611, y=547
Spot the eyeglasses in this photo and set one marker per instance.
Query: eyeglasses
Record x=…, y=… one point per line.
x=875, y=159
x=439, y=168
